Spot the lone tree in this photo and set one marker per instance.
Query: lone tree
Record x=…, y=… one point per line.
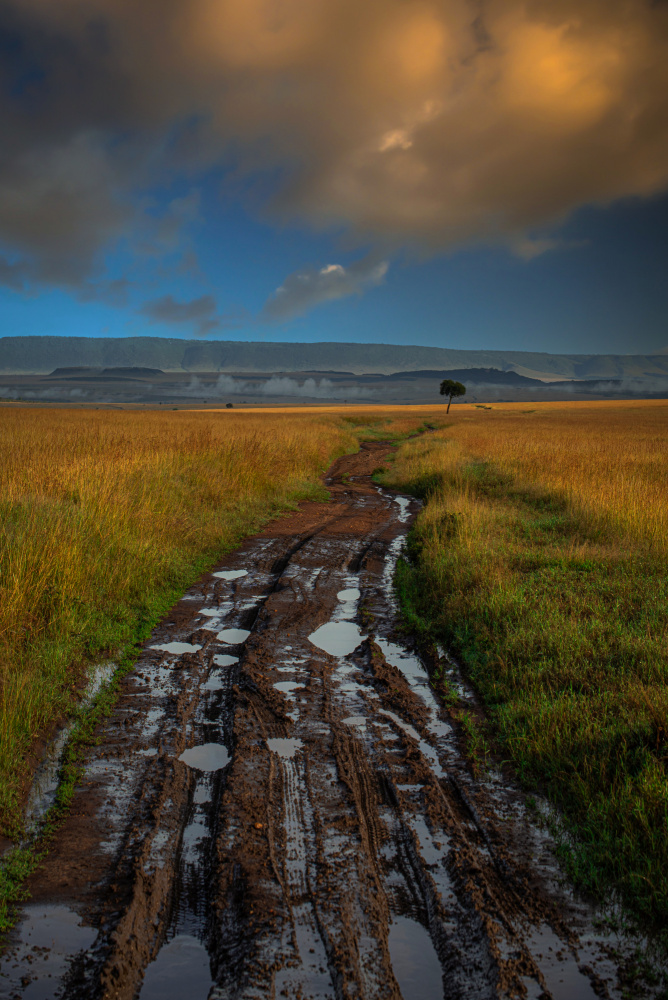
x=452, y=389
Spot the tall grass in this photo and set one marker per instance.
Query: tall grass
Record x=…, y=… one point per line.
x=108, y=516
x=541, y=559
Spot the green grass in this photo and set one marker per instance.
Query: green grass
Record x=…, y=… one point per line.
x=108, y=518
x=562, y=626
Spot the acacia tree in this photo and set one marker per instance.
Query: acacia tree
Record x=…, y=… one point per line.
x=452, y=389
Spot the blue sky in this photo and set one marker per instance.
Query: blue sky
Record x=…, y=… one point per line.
x=492, y=182
x=603, y=291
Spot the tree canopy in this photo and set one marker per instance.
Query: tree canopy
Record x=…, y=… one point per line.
x=452, y=389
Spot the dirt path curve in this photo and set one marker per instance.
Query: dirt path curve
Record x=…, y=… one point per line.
x=278, y=806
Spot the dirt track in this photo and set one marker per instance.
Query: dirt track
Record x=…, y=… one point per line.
x=323, y=836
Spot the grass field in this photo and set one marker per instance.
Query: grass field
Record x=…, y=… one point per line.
x=108, y=517
x=541, y=561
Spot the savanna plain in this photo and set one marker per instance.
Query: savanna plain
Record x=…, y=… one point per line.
x=538, y=561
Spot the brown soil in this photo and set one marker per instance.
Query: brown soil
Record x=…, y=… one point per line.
x=345, y=851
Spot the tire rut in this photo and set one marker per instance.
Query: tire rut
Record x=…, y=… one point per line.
x=278, y=806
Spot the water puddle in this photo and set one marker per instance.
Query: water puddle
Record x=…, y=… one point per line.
x=43, y=790
x=225, y=660
x=207, y=757
x=233, y=636
x=210, y=612
x=426, y=750
x=148, y=753
x=356, y=720
x=181, y=970
x=49, y=937
x=403, y=503
x=177, y=648
x=286, y=748
x=560, y=970
x=407, y=728
x=288, y=686
x=230, y=574
x=349, y=595
x=409, y=664
x=216, y=682
x=414, y=961
x=416, y=674
x=337, y=638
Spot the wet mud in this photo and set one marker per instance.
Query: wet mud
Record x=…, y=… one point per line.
x=279, y=807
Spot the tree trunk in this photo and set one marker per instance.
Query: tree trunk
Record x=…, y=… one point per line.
x=448, y=409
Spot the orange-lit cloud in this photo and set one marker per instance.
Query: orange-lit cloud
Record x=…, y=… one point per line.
x=429, y=123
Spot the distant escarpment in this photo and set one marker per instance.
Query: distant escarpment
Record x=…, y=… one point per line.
x=43, y=355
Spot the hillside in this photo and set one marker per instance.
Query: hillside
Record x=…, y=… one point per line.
x=41, y=355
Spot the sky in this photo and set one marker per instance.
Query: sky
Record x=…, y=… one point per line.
x=471, y=174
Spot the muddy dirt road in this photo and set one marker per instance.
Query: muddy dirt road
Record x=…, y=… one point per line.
x=278, y=806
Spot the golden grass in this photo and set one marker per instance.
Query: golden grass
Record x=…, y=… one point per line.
x=608, y=459
x=109, y=515
x=540, y=560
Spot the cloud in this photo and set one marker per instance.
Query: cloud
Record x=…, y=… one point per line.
x=324, y=389
x=529, y=247
x=12, y=275
x=303, y=290
x=277, y=385
x=200, y=312
x=430, y=124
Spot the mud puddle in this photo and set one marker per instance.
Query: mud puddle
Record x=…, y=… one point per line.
x=43, y=790
x=278, y=806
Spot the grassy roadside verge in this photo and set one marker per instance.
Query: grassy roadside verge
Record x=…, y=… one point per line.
x=540, y=560
x=108, y=518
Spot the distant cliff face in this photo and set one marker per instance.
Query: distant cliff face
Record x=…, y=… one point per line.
x=44, y=354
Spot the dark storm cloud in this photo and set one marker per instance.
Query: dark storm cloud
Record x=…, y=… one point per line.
x=201, y=312
x=12, y=275
x=431, y=123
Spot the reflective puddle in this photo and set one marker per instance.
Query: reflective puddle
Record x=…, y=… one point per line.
x=230, y=574
x=176, y=648
x=356, y=720
x=233, y=636
x=416, y=674
x=337, y=638
x=426, y=750
x=351, y=594
x=48, y=938
x=47, y=775
x=285, y=748
x=225, y=660
x=207, y=757
x=216, y=682
x=403, y=504
x=414, y=961
x=288, y=686
x=562, y=975
x=181, y=970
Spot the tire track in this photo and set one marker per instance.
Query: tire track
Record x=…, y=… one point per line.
x=278, y=806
